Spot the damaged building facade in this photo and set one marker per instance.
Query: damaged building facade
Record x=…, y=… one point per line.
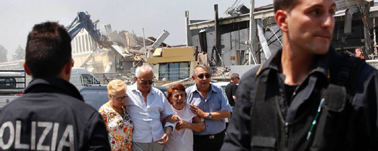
x=100, y=59
x=226, y=44
x=109, y=55
x=226, y=41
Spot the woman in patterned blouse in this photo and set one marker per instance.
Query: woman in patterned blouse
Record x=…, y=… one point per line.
x=116, y=118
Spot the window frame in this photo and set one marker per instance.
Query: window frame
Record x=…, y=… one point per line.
x=180, y=71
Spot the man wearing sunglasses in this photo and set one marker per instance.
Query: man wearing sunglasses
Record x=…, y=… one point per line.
x=146, y=105
x=210, y=103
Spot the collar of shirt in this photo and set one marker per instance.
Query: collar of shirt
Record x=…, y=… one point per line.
x=323, y=62
x=195, y=89
x=53, y=84
x=134, y=87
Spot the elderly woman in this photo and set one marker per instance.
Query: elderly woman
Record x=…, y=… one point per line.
x=181, y=139
x=116, y=118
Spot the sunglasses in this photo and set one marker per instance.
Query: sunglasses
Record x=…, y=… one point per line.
x=144, y=82
x=120, y=98
x=207, y=75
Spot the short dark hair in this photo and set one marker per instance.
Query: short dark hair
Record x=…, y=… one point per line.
x=48, y=49
x=234, y=76
x=284, y=5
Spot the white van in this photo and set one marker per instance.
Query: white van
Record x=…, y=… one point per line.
x=13, y=81
x=222, y=85
x=81, y=77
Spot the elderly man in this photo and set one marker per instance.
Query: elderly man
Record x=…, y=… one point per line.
x=146, y=105
x=306, y=96
x=208, y=102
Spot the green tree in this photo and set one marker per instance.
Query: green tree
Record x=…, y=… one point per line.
x=3, y=54
x=19, y=54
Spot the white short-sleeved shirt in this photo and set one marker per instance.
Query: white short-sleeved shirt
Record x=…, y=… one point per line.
x=181, y=140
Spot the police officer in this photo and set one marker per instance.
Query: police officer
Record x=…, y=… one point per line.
x=306, y=96
x=51, y=115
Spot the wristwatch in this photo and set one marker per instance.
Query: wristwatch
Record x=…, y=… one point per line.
x=209, y=116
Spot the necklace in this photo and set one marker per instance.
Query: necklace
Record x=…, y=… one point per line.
x=121, y=112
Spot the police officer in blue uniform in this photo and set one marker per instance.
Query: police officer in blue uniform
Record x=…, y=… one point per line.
x=51, y=115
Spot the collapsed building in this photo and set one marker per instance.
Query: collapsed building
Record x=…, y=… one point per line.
x=229, y=44
x=238, y=40
x=108, y=55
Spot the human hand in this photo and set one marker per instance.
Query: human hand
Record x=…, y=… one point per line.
x=172, y=119
x=196, y=119
x=197, y=111
x=181, y=125
x=164, y=139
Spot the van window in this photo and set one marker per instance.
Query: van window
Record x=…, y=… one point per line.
x=95, y=81
x=7, y=83
x=87, y=79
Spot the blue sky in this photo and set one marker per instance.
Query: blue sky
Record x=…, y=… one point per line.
x=18, y=16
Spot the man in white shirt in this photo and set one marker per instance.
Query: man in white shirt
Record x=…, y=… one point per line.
x=147, y=107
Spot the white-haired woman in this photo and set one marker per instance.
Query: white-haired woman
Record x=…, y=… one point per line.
x=116, y=118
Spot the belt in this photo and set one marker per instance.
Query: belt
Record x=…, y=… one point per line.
x=211, y=136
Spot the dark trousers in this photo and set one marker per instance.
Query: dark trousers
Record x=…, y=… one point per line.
x=208, y=142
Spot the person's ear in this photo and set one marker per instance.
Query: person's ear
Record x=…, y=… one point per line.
x=68, y=67
x=193, y=77
x=26, y=68
x=281, y=19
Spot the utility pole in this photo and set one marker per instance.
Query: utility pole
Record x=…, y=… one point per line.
x=115, y=62
x=375, y=37
x=367, y=26
x=188, y=32
x=144, y=44
x=218, y=50
x=252, y=32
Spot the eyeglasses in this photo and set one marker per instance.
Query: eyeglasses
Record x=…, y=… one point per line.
x=207, y=75
x=144, y=82
x=120, y=98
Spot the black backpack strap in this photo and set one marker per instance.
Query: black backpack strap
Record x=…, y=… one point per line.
x=335, y=129
x=346, y=73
